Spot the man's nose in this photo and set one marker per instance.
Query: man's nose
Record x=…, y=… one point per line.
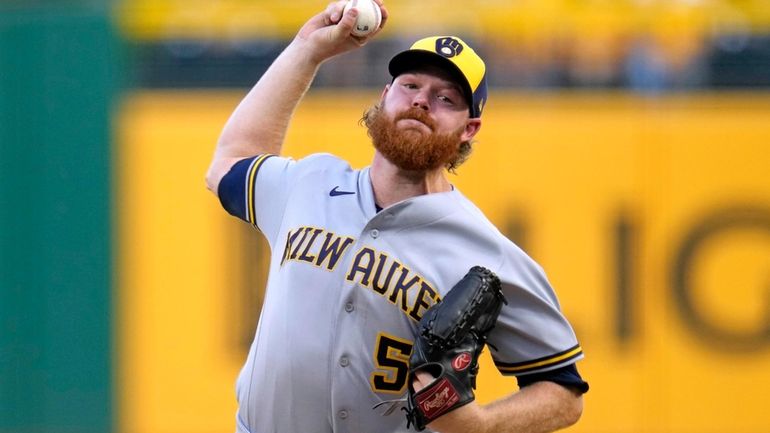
x=421, y=100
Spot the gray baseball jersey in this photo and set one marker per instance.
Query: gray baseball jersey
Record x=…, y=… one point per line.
x=347, y=286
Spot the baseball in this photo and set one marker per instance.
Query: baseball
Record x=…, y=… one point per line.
x=369, y=16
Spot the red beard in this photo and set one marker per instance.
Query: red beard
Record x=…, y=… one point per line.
x=411, y=149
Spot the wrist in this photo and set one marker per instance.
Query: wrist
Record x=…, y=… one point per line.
x=302, y=53
x=471, y=418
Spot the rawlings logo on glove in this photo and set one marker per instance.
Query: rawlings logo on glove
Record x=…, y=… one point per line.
x=451, y=337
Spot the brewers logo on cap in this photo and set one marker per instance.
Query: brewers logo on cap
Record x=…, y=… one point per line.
x=451, y=53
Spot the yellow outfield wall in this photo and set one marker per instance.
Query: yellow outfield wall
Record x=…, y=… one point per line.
x=651, y=217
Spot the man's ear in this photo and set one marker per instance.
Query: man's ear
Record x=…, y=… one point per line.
x=471, y=129
x=384, y=92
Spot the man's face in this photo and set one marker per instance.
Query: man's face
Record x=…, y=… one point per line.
x=421, y=120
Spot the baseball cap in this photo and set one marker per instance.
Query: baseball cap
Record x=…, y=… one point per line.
x=454, y=55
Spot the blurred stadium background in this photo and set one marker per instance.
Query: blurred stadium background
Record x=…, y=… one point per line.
x=626, y=145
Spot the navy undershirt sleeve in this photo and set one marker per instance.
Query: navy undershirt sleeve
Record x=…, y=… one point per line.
x=232, y=189
x=566, y=376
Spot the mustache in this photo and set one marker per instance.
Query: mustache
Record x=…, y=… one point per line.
x=416, y=114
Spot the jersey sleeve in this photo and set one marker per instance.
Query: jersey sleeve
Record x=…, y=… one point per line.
x=531, y=335
x=258, y=189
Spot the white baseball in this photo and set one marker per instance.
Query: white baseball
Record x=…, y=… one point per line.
x=369, y=16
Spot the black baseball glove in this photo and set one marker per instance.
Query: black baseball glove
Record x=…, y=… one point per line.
x=451, y=336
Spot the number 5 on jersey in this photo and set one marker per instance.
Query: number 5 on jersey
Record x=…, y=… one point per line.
x=391, y=358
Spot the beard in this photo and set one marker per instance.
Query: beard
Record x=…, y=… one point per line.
x=412, y=149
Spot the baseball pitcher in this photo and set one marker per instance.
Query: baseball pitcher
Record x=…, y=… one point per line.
x=386, y=283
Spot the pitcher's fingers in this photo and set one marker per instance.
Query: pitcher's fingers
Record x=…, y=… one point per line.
x=333, y=12
x=383, y=12
x=345, y=25
x=422, y=379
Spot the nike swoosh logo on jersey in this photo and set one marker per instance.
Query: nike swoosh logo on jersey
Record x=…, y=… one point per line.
x=335, y=193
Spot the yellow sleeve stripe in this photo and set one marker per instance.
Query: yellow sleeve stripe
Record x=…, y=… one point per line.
x=251, y=209
x=538, y=364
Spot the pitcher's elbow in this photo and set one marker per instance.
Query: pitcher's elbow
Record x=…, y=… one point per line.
x=573, y=411
x=212, y=181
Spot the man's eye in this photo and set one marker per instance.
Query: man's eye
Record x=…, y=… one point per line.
x=446, y=99
x=410, y=85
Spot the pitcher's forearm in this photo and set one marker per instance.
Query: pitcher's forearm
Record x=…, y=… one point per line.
x=259, y=123
x=539, y=408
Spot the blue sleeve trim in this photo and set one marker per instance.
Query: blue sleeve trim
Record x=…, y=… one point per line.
x=566, y=376
x=232, y=188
